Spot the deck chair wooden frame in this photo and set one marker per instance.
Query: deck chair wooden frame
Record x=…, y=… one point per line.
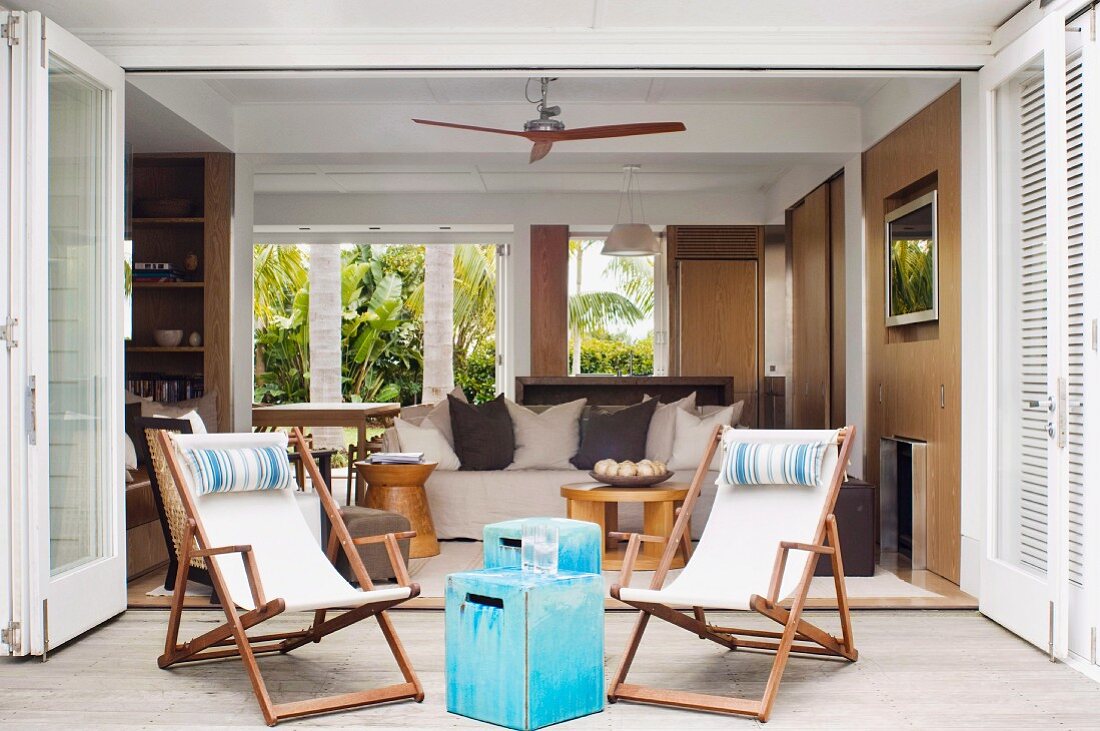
x=796, y=636
x=230, y=639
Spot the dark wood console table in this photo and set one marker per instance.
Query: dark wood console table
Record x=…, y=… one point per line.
x=623, y=390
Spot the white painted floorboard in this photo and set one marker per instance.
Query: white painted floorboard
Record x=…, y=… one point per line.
x=917, y=669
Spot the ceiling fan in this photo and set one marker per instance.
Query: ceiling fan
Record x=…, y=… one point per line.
x=546, y=130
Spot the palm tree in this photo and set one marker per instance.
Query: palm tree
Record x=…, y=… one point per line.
x=591, y=312
x=439, y=280
x=278, y=273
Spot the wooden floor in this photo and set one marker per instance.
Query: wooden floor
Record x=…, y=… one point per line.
x=917, y=669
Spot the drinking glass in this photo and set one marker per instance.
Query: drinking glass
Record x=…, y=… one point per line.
x=527, y=545
x=546, y=549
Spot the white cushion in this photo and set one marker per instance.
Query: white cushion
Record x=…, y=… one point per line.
x=662, y=428
x=426, y=438
x=131, y=453
x=545, y=441
x=692, y=433
x=165, y=411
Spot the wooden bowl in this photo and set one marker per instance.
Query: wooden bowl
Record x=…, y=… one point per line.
x=636, y=481
x=163, y=207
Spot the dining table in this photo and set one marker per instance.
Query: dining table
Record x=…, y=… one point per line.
x=361, y=416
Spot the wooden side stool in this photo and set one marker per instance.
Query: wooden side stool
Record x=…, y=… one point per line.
x=399, y=488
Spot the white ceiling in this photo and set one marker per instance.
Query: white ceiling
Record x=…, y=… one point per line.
x=322, y=89
x=220, y=15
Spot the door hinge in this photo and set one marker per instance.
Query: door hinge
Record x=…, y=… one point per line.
x=7, y=332
x=11, y=30
x=504, y=249
x=10, y=636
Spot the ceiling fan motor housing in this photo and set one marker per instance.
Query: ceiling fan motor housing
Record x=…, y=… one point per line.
x=543, y=124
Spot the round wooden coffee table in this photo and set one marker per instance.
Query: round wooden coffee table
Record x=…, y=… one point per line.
x=399, y=488
x=599, y=504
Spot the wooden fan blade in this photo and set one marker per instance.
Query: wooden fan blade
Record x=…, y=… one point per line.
x=452, y=125
x=540, y=150
x=617, y=130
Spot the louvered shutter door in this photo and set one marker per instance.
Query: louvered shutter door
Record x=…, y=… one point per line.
x=1075, y=314
x=1032, y=267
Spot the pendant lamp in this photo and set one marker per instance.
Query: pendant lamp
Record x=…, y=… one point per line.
x=632, y=238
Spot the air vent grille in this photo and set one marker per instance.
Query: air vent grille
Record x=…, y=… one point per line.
x=717, y=242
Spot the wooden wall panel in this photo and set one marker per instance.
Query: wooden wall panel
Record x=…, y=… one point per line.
x=719, y=325
x=217, y=266
x=810, y=297
x=909, y=365
x=837, y=408
x=549, y=300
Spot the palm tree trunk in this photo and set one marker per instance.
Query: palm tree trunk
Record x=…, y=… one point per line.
x=439, y=278
x=576, y=328
x=324, y=336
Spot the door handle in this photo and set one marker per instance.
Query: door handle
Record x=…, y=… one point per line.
x=1033, y=404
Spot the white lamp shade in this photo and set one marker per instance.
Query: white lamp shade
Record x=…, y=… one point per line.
x=631, y=239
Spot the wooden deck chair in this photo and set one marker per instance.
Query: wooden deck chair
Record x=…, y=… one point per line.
x=759, y=546
x=262, y=557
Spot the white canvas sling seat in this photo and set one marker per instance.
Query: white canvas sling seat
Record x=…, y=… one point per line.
x=735, y=555
x=242, y=517
x=761, y=544
x=291, y=565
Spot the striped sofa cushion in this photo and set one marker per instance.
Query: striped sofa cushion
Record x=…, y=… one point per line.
x=239, y=470
x=789, y=463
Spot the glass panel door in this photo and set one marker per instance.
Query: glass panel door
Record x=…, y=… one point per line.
x=1026, y=546
x=77, y=563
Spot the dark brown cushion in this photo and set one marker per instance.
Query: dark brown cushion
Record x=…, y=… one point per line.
x=483, y=434
x=619, y=436
x=363, y=522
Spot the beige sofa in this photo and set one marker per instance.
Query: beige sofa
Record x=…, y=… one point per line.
x=463, y=503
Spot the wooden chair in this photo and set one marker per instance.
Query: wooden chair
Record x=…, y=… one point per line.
x=760, y=545
x=173, y=520
x=263, y=558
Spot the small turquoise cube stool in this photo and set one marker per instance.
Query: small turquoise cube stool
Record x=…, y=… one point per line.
x=524, y=650
x=579, y=544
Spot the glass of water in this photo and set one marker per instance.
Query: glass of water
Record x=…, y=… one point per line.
x=546, y=549
x=527, y=545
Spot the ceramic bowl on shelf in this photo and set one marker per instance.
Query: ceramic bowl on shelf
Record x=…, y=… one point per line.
x=168, y=338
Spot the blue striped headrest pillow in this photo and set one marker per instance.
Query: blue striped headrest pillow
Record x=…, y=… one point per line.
x=241, y=469
x=783, y=463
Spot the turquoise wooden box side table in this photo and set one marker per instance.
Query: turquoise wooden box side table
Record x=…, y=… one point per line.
x=579, y=544
x=524, y=650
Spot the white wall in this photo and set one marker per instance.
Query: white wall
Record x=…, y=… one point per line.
x=240, y=296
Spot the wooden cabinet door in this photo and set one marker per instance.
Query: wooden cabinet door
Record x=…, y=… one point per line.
x=719, y=316
x=811, y=308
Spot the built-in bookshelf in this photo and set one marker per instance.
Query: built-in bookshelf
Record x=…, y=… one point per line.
x=192, y=295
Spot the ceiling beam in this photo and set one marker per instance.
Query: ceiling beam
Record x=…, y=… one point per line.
x=604, y=48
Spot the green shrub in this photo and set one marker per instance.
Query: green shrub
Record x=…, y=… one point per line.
x=615, y=357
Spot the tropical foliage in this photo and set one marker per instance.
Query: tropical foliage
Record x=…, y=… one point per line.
x=382, y=330
x=912, y=276
x=593, y=313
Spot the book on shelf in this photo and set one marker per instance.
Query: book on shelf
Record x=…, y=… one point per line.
x=397, y=458
x=153, y=266
x=164, y=387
